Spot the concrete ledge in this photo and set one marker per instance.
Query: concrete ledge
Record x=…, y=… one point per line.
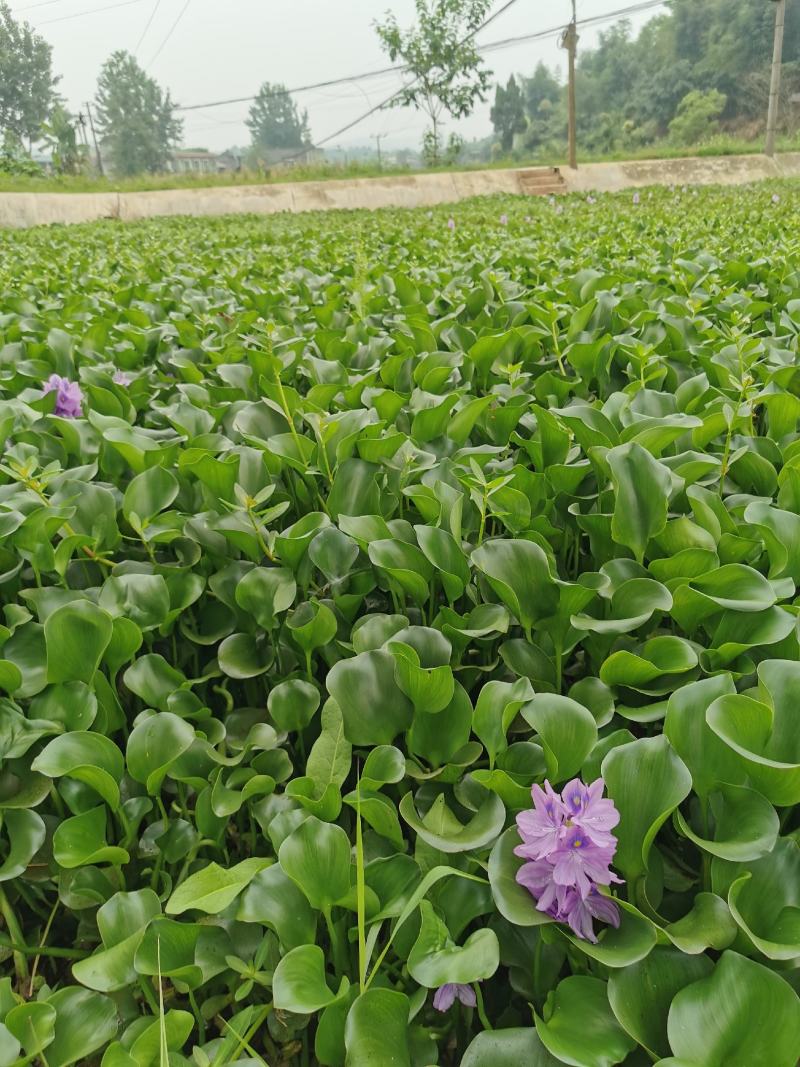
x=19, y=210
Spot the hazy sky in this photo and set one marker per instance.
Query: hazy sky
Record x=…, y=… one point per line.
x=227, y=48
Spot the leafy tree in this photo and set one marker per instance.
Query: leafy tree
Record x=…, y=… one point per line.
x=135, y=117
x=447, y=72
x=60, y=135
x=27, y=84
x=542, y=87
x=275, y=122
x=508, y=113
x=697, y=116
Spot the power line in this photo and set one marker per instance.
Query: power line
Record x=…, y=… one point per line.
x=170, y=32
x=93, y=11
x=147, y=26
x=399, y=68
x=296, y=89
x=384, y=103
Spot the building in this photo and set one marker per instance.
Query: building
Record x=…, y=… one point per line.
x=201, y=161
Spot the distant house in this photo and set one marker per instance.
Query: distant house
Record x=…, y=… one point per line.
x=276, y=157
x=201, y=161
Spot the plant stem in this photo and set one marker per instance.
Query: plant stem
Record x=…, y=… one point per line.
x=16, y=935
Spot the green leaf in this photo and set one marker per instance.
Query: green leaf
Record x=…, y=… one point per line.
x=519, y=574
x=299, y=984
x=567, y=732
x=154, y=745
x=76, y=636
x=435, y=960
x=213, y=888
x=647, y=781
x=508, y=1048
x=85, y=1021
x=86, y=757
x=316, y=856
x=579, y=1027
x=742, y=1015
x=274, y=900
x=377, y=1029
x=442, y=829
x=640, y=995
x=374, y=708
x=642, y=487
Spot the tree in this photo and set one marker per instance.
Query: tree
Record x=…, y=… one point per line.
x=135, y=117
x=697, y=115
x=27, y=84
x=60, y=135
x=275, y=122
x=543, y=87
x=447, y=72
x=508, y=113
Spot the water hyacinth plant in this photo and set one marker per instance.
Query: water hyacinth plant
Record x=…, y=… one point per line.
x=399, y=637
x=567, y=841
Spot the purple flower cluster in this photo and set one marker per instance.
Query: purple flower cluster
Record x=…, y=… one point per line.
x=568, y=845
x=69, y=397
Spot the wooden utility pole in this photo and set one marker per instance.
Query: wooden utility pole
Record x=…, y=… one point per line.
x=94, y=138
x=775, y=81
x=570, y=42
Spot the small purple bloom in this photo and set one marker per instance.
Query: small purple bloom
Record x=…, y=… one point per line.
x=587, y=809
x=775, y=198
x=580, y=862
x=504, y=220
x=121, y=378
x=579, y=912
x=445, y=996
x=560, y=209
x=540, y=828
x=451, y=224
x=636, y=198
x=591, y=200
x=69, y=397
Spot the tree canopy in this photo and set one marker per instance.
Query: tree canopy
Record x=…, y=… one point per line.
x=275, y=122
x=447, y=73
x=135, y=117
x=27, y=83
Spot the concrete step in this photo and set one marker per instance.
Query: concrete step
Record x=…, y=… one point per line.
x=549, y=189
x=541, y=181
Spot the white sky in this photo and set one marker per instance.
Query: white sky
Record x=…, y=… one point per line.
x=227, y=48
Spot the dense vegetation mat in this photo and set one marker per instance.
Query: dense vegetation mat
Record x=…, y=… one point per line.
x=323, y=540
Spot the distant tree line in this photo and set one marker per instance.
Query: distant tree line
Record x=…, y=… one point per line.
x=694, y=69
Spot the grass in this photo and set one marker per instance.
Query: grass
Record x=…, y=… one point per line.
x=721, y=145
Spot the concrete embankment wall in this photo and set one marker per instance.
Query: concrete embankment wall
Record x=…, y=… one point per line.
x=413, y=190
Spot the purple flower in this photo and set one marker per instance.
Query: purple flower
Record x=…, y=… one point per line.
x=580, y=862
x=541, y=827
x=636, y=198
x=775, y=198
x=504, y=220
x=68, y=396
x=591, y=200
x=587, y=809
x=579, y=912
x=451, y=224
x=445, y=996
x=567, y=841
x=121, y=378
x=560, y=209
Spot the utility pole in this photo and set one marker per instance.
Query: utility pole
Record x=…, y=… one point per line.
x=775, y=82
x=94, y=138
x=569, y=41
x=378, y=137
